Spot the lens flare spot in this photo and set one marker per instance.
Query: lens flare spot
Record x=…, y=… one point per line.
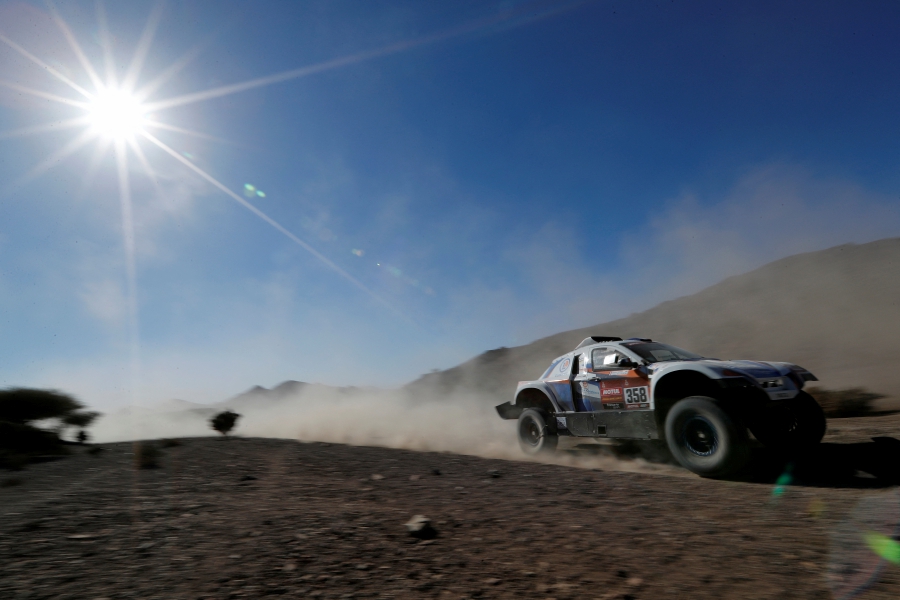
x=249, y=190
x=784, y=480
x=357, y=252
x=260, y=194
x=884, y=546
x=116, y=114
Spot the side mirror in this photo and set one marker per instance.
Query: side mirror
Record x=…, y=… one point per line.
x=627, y=363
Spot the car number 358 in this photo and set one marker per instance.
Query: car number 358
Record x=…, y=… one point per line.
x=636, y=395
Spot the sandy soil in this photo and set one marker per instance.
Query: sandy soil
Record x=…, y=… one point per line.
x=260, y=517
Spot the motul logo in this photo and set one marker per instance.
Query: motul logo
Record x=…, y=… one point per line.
x=612, y=392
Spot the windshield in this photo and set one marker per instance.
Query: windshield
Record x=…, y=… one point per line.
x=657, y=352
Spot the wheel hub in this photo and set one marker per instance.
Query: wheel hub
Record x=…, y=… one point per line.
x=532, y=433
x=700, y=436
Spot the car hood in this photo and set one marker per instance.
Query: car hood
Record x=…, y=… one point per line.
x=751, y=368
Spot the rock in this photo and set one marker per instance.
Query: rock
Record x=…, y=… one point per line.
x=377, y=477
x=494, y=473
x=420, y=527
x=248, y=478
x=413, y=477
x=435, y=471
x=493, y=581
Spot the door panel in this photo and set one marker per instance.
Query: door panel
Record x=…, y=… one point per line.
x=628, y=391
x=617, y=389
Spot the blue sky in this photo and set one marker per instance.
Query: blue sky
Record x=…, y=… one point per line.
x=517, y=169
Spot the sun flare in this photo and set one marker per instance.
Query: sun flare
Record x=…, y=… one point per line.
x=115, y=114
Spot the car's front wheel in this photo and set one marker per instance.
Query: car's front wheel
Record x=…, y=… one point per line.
x=704, y=438
x=791, y=425
x=535, y=433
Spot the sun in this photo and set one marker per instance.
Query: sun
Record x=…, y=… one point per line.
x=115, y=114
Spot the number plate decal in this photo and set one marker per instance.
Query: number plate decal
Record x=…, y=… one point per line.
x=635, y=396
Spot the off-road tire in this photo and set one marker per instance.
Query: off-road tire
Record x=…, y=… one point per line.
x=704, y=438
x=791, y=425
x=537, y=435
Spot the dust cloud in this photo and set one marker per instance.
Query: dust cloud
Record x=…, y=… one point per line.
x=457, y=423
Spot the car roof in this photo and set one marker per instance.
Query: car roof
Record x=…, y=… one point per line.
x=600, y=339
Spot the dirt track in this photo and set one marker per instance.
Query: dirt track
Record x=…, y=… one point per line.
x=255, y=517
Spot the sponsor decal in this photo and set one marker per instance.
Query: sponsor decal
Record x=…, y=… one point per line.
x=618, y=372
x=564, y=365
x=561, y=422
x=613, y=406
x=590, y=389
x=617, y=391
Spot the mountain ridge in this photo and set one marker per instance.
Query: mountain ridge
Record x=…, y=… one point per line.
x=833, y=311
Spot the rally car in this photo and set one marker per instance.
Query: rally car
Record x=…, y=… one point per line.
x=645, y=390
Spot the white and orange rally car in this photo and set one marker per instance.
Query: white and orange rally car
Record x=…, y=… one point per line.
x=640, y=389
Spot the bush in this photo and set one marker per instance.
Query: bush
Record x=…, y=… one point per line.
x=22, y=407
x=16, y=437
x=850, y=402
x=224, y=421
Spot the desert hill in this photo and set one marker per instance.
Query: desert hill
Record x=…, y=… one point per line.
x=835, y=312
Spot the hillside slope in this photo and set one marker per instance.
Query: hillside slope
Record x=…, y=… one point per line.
x=835, y=312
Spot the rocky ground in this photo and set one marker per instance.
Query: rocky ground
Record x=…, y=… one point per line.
x=260, y=517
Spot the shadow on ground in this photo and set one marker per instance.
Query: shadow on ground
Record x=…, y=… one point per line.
x=873, y=464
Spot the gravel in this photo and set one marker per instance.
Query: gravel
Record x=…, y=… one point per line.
x=313, y=522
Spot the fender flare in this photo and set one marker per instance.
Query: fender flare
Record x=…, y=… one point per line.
x=530, y=395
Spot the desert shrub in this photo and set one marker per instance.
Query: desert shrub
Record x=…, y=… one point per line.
x=21, y=408
x=17, y=437
x=95, y=450
x=850, y=402
x=224, y=421
x=146, y=455
x=170, y=443
x=24, y=405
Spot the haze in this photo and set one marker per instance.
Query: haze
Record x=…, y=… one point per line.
x=515, y=170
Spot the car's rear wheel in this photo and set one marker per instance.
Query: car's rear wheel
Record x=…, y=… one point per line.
x=791, y=425
x=536, y=436
x=704, y=438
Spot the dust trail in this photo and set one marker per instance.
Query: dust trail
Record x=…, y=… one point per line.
x=463, y=424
